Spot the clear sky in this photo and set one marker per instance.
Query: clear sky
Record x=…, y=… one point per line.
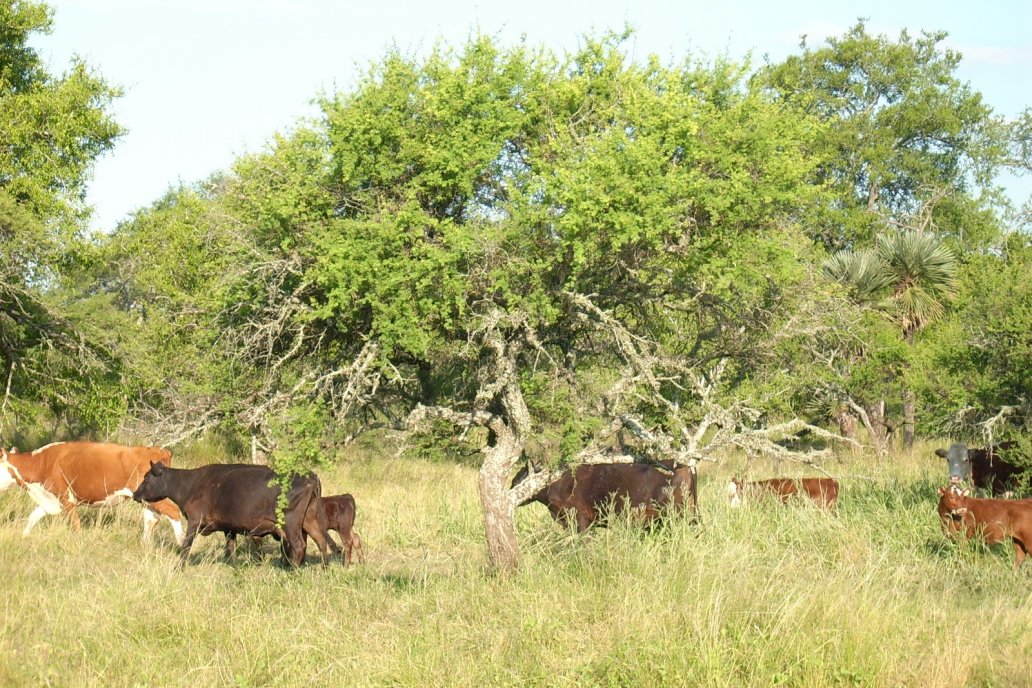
x=208, y=80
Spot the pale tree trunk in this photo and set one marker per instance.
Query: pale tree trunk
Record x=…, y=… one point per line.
x=510, y=434
x=877, y=427
x=258, y=455
x=847, y=424
x=503, y=550
x=909, y=418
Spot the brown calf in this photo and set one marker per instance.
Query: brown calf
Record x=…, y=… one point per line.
x=823, y=491
x=993, y=520
x=340, y=516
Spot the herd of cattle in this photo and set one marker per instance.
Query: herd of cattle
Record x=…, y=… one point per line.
x=245, y=499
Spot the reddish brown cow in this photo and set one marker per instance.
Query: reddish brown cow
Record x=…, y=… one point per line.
x=588, y=491
x=993, y=520
x=823, y=491
x=64, y=475
x=340, y=516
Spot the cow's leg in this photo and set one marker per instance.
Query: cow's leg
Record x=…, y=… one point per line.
x=1019, y=553
x=73, y=515
x=191, y=533
x=231, y=547
x=585, y=518
x=37, y=513
x=334, y=547
x=149, y=519
x=356, y=542
x=177, y=529
x=317, y=531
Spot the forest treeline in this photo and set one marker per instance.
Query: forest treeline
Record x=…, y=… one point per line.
x=553, y=248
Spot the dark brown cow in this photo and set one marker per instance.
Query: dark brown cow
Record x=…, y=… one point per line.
x=340, y=516
x=241, y=499
x=588, y=490
x=823, y=491
x=993, y=520
x=988, y=468
x=65, y=475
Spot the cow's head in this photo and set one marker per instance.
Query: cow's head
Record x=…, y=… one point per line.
x=953, y=502
x=958, y=461
x=734, y=492
x=154, y=485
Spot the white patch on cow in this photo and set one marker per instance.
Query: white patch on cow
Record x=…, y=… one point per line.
x=45, y=447
x=46, y=500
x=6, y=474
x=733, y=494
x=177, y=530
x=115, y=497
x=38, y=513
x=149, y=519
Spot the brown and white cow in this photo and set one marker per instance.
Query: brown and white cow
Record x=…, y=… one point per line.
x=65, y=475
x=823, y=491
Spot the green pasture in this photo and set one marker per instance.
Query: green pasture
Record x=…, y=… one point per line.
x=764, y=596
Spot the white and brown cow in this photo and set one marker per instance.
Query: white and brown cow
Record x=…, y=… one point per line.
x=64, y=475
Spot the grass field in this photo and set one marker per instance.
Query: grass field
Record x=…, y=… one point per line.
x=872, y=596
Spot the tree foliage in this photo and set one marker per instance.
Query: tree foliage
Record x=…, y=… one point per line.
x=905, y=130
x=52, y=129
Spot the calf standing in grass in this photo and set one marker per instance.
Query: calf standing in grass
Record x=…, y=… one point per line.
x=993, y=520
x=340, y=516
x=823, y=491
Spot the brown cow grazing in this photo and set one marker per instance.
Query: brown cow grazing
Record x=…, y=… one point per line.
x=587, y=491
x=241, y=499
x=823, y=491
x=64, y=475
x=340, y=516
x=993, y=520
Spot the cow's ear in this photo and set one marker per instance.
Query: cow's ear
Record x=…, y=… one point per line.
x=941, y=491
x=966, y=492
x=941, y=453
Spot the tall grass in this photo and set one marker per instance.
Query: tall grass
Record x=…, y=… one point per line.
x=870, y=596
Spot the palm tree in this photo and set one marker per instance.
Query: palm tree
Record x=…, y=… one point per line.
x=909, y=275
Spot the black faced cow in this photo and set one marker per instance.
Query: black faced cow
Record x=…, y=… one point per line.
x=588, y=490
x=240, y=498
x=986, y=468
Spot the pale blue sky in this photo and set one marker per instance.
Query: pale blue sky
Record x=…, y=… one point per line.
x=208, y=80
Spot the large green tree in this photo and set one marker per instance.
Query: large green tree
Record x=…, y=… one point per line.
x=906, y=134
x=549, y=248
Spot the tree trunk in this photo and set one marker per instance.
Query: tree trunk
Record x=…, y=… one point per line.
x=257, y=455
x=503, y=550
x=847, y=423
x=877, y=428
x=909, y=417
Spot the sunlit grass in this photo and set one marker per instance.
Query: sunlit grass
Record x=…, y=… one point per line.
x=872, y=595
